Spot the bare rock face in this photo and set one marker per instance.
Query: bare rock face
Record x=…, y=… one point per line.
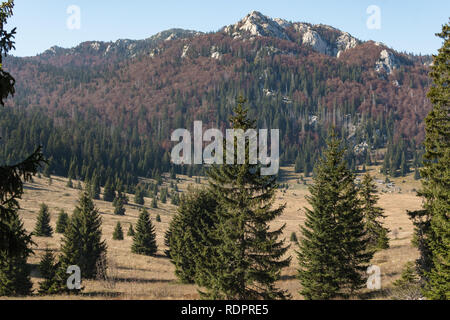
x=312, y=38
x=345, y=42
x=256, y=24
x=387, y=62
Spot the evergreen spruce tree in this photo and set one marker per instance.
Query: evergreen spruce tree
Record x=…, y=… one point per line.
x=188, y=238
x=118, y=232
x=43, y=228
x=247, y=261
x=131, y=232
x=436, y=177
x=62, y=222
x=377, y=235
x=154, y=203
x=14, y=271
x=95, y=187
x=108, y=192
x=332, y=254
x=69, y=183
x=144, y=240
x=82, y=244
x=139, y=196
x=119, y=209
x=48, y=270
x=14, y=241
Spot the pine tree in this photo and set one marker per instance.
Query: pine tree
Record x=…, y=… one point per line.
x=333, y=249
x=436, y=178
x=108, y=192
x=14, y=241
x=164, y=196
x=14, y=271
x=69, y=183
x=144, y=240
x=118, y=232
x=247, y=260
x=95, y=187
x=154, y=203
x=43, y=228
x=62, y=222
x=139, y=197
x=377, y=235
x=119, y=208
x=158, y=218
x=131, y=232
x=48, y=269
x=82, y=244
x=188, y=237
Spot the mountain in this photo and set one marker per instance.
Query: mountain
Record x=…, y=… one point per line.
x=96, y=52
x=298, y=77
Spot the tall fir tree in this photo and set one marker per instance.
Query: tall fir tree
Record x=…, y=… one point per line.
x=332, y=253
x=144, y=240
x=14, y=271
x=119, y=208
x=131, y=232
x=62, y=222
x=82, y=244
x=377, y=234
x=43, y=228
x=14, y=241
x=189, y=235
x=48, y=268
x=248, y=259
x=139, y=196
x=118, y=232
x=108, y=192
x=436, y=178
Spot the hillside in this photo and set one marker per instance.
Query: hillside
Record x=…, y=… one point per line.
x=128, y=96
x=141, y=277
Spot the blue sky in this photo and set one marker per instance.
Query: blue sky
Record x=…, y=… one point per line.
x=405, y=25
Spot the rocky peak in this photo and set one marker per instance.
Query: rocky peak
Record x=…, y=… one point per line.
x=315, y=36
x=257, y=24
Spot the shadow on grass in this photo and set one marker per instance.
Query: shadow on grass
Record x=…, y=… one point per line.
x=383, y=294
x=140, y=280
x=100, y=294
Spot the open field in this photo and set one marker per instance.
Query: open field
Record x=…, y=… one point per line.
x=141, y=277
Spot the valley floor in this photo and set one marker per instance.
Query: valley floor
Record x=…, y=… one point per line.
x=140, y=277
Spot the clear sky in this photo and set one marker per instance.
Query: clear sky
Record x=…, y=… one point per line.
x=404, y=25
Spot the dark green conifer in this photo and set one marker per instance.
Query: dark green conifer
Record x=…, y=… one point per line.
x=139, y=196
x=14, y=271
x=377, y=234
x=108, y=192
x=144, y=240
x=435, y=179
x=48, y=270
x=188, y=238
x=119, y=208
x=118, y=232
x=248, y=259
x=82, y=244
x=62, y=222
x=14, y=241
x=131, y=232
x=332, y=254
x=43, y=228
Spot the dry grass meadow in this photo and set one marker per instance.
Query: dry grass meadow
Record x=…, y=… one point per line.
x=140, y=277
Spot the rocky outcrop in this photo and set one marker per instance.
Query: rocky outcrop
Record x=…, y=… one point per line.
x=256, y=24
x=388, y=62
